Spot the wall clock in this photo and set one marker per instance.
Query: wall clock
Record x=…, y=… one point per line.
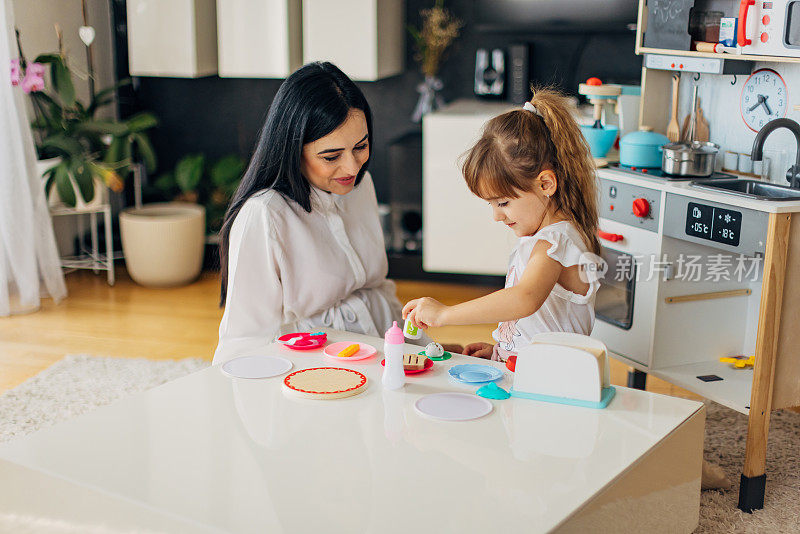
x=764, y=98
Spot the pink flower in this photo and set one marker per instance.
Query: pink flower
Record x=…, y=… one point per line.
x=34, y=78
x=15, y=74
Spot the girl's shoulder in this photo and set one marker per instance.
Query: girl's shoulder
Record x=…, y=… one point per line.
x=566, y=244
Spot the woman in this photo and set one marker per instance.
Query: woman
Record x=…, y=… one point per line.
x=301, y=245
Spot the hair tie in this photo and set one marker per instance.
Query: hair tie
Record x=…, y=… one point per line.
x=530, y=107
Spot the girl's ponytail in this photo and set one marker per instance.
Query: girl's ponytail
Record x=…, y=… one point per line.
x=576, y=195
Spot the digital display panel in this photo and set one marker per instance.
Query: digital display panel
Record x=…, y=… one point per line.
x=715, y=224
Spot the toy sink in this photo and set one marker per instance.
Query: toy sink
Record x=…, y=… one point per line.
x=564, y=368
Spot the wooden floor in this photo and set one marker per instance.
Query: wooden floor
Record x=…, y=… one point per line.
x=128, y=320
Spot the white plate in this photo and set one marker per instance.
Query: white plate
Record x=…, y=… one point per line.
x=256, y=367
x=453, y=406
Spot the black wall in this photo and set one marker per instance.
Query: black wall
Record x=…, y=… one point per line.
x=218, y=116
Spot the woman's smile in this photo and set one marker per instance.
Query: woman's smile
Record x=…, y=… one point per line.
x=347, y=180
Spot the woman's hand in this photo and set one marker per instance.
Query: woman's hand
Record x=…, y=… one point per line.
x=425, y=312
x=479, y=350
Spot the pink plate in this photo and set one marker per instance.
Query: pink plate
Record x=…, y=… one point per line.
x=428, y=365
x=307, y=343
x=364, y=351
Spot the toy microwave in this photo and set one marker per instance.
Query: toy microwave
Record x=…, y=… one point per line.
x=769, y=28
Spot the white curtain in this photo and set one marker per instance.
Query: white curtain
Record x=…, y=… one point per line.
x=29, y=263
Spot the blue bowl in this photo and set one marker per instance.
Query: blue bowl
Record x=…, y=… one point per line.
x=600, y=140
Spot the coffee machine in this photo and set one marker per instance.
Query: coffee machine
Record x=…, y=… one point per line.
x=490, y=73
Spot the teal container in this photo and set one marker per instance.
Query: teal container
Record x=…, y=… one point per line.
x=600, y=140
x=642, y=149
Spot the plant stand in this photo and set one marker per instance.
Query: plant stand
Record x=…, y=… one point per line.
x=93, y=259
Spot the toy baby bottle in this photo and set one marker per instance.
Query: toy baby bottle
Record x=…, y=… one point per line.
x=394, y=376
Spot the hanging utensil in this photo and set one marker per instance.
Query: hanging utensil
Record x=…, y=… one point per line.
x=690, y=134
x=703, y=132
x=673, y=129
x=691, y=157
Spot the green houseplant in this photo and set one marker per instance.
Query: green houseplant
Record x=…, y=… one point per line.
x=212, y=186
x=88, y=149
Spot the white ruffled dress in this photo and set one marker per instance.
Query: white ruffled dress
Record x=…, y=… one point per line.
x=563, y=310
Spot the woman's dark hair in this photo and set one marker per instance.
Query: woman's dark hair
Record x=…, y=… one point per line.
x=311, y=103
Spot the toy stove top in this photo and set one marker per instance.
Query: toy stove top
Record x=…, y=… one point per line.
x=658, y=173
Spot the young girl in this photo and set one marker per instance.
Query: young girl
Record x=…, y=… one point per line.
x=534, y=169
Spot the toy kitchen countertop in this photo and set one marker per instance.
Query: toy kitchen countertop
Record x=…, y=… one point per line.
x=685, y=188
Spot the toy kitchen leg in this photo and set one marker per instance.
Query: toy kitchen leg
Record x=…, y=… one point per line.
x=754, y=478
x=637, y=379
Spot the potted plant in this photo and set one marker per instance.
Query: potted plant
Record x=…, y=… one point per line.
x=164, y=242
x=193, y=180
x=78, y=151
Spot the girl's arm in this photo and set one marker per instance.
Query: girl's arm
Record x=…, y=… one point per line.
x=509, y=304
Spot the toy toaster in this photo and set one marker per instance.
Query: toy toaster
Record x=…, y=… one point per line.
x=564, y=368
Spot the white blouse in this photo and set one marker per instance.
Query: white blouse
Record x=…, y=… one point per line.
x=290, y=271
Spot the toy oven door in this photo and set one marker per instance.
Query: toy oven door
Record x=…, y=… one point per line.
x=614, y=302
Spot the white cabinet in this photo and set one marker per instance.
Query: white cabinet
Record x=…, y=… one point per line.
x=364, y=38
x=459, y=233
x=172, y=38
x=259, y=38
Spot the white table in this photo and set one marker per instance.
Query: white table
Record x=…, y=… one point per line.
x=207, y=453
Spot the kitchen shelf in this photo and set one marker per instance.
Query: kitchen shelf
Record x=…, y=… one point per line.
x=732, y=391
x=641, y=27
x=691, y=53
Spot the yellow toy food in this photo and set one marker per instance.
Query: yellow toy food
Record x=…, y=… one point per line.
x=349, y=351
x=740, y=362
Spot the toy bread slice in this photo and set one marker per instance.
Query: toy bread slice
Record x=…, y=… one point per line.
x=579, y=341
x=413, y=362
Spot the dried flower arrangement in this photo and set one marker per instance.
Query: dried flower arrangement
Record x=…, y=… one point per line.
x=439, y=30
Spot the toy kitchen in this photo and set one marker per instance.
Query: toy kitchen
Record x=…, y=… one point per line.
x=698, y=228
x=697, y=219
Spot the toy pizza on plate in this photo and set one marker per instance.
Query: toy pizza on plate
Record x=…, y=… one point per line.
x=324, y=383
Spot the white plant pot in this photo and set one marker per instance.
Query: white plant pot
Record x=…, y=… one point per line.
x=163, y=242
x=54, y=199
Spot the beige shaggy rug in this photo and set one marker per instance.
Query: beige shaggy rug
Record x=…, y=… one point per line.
x=78, y=384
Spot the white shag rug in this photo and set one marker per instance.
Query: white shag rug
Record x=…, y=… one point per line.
x=78, y=384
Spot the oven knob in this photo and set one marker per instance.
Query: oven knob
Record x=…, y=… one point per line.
x=641, y=207
x=764, y=37
x=765, y=20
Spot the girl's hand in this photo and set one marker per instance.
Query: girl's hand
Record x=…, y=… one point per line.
x=425, y=312
x=479, y=350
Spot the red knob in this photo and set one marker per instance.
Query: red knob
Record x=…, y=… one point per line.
x=594, y=81
x=764, y=37
x=765, y=20
x=641, y=208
